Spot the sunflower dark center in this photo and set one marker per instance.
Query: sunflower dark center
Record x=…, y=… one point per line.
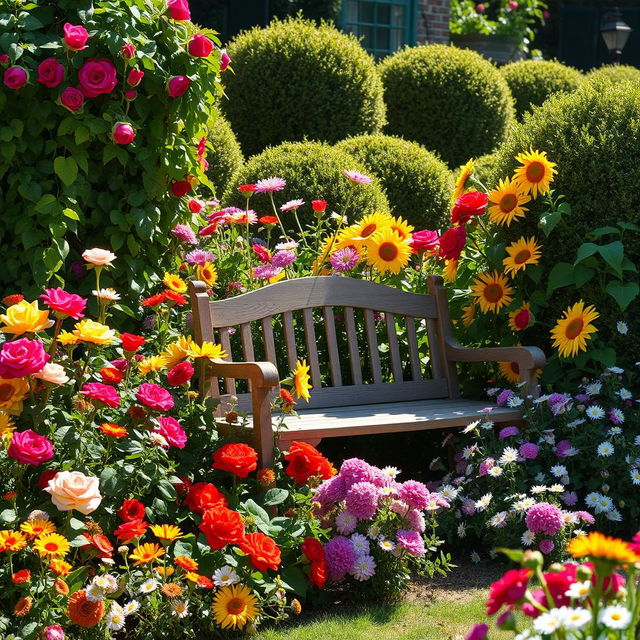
x=368, y=230
x=493, y=292
x=6, y=391
x=388, y=251
x=508, y=202
x=235, y=606
x=535, y=172
x=522, y=256
x=574, y=328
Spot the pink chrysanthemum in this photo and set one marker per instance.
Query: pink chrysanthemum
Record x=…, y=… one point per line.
x=283, y=258
x=199, y=256
x=364, y=568
x=485, y=465
x=414, y=493
x=564, y=449
x=184, y=233
x=411, y=541
x=508, y=432
x=546, y=546
x=346, y=523
x=585, y=516
x=503, y=397
x=356, y=176
x=340, y=556
x=416, y=521
x=345, y=259
x=331, y=491
x=528, y=450
x=356, y=470
x=266, y=271
x=544, y=517
x=362, y=500
x=292, y=205
x=269, y=185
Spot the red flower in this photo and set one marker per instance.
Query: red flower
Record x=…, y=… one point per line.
x=12, y=299
x=522, y=318
x=127, y=531
x=268, y=220
x=155, y=300
x=154, y=397
x=131, y=510
x=314, y=552
x=200, y=46
x=135, y=77
x=263, y=552
x=204, y=582
x=306, y=461
x=312, y=549
x=102, y=393
x=111, y=375
x=318, y=574
x=176, y=298
x=452, y=243
x=131, y=342
x=195, y=206
x=468, y=205
x=237, y=458
x=247, y=188
x=319, y=205
x=22, y=576
x=101, y=543
x=183, y=486
x=45, y=476
x=222, y=526
x=263, y=253
x=203, y=496
x=136, y=413
x=425, y=240
x=510, y=589
x=68, y=304
x=179, y=9
x=180, y=374
x=180, y=188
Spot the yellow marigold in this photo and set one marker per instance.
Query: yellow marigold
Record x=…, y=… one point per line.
x=597, y=546
x=166, y=531
x=234, y=606
x=175, y=283
x=94, y=332
x=61, y=567
x=51, y=545
x=12, y=540
x=25, y=317
x=145, y=553
x=206, y=350
x=165, y=571
x=12, y=392
x=23, y=606
x=176, y=352
x=151, y=364
x=66, y=338
x=37, y=527
x=207, y=273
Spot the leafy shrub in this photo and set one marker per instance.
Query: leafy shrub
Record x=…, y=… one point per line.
x=296, y=80
x=452, y=101
x=614, y=73
x=63, y=177
x=533, y=81
x=312, y=170
x=311, y=9
x=225, y=157
x=416, y=182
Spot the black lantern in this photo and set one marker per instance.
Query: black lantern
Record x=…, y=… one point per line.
x=615, y=33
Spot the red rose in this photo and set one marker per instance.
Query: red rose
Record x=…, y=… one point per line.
x=262, y=550
x=312, y=549
x=96, y=77
x=4, y=58
x=130, y=95
x=179, y=9
x=319, y=206
x=200, y=46
x=522, y=318
x=510, y=589
x=154, y=397
x=45, y=476
x=101, y=543
x=425, y=240
x=195, y=206
x=180, y=374
x=237, y=458
x=127, y=531
x=15, y=77
x=102, y=393
x=135, y=77
x=111, y=375
x=131, y=510
x=222, y=526
x=203, y=496
x=128, y=50
x=178, y=86
x=468, y=205
x=180, y=188
x=306, y=461
x=183, y=486
x=318, y=574
x=50, y=73
x=75, y=36
x=131, y=342
x=452, y=243
x=225, y=60
x=72, y=99
x=123, y=133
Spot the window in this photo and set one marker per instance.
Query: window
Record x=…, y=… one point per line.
x=383, y=25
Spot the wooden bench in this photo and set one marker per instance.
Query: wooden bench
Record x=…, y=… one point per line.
x=352, y=389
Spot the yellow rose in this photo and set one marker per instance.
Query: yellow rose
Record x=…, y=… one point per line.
x=12, y=393
x=25, y=317
x=66, y=338
x=90, y=331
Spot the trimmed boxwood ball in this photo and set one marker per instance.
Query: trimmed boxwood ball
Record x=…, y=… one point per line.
x=451, y=100
x=533, y=81
x=313, y=171
x=614, y=73
x=225, y=158
x=296, y=80
x=417, y=184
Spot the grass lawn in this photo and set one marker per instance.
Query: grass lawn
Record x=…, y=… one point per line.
x=443, y=609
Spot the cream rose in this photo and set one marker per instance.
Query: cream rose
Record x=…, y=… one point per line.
x=73, y=490
x=99, y=257
x=53, y=373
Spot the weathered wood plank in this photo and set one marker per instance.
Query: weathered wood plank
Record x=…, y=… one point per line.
x=414, y=354
x=290, y=339
x=312, y=348
x=372, y=342
x=225, y=341
x=269, y=343
x=352, y=343
x=332, y=346
x=394, y=349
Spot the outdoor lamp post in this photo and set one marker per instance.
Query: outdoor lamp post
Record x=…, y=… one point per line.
x=615, y=33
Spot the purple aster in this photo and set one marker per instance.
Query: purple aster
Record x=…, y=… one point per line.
x=468, y=507
x=503, y=397
x=585, y=516
x=346, y=523
x=583, y=398
x=270, y=184
x=356, y=470
x=485, y=465
x=362, y=500
x=360, y=544
x=507, y=432
x=414, y=493
x=564, y=449
x=555, y=398
x=292, y=205
x=411, y=541
x=199, y=256
x=266, y=271
x=356, y=176
x=363, y=568
x=416, y=521
x=546, y=546
x=184, y=233
x=340, y=556
x=544, y=517
x=283, y=258
x=616, y=416
x=570, y=498
x=345, y=259
x=528, y=451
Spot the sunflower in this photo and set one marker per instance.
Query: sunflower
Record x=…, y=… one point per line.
x=148, y=552
x=206, y=350
x=573, y=330
x=174, y=282
x=491, y=291
x=461, y=182
x=176, y=352
x=207, y=273
x=510, y=371
x=520, y=254
x=151, y=364
x=37, y=527
x=387, y=251
x=234, y=606
x=402, y=228
x=301, y=377
x=7, y=425
x=51, y=545
x=84, y=612
x=113, y=430
x=506, y=203
x=597, y=546
x=520, y=319
x=368, y=225
x=450, y=272
x=12, y=540
x=468, y=314
x=12, y=392
x=536, y=173
x=59, y=566
x=166, y=531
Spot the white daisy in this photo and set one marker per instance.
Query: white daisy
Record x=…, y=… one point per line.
x=484, y=502
x=538, y=488
x=615, y=617
x=616, y=370
x=593, y=389
x=495, y=472
x=558, y=470
x=148, y=586
x=471, y=427
x=115, y=619
x=94, y=592
x=374, y=531
x=635, y=476
x=225, y=576
x=469, y=451
x=392, y=472
x=523, y=505
x=577, y=533
x=287, y=246
x=604, y=504
x=576, y=618
x=605, y=449
x=131, y=607
x=615, y=431
x=112, y=583
x=548, y=623
x=622, y=327
x=461, y=530
x=487, y=425
x=514, y=402
x=595, y=412
x=592, y=499
x=556, y=488
x=578, y=590
x=449, y=492
x=179, y=609
x=386, y=545
x=568, y=517
x=624, y=394
x=528, y=538
x=509, y=454
x=475, y=557
x=614, y=515
x=499, y=519
x=107, y=294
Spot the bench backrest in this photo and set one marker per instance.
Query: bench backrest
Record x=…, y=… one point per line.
x=337, y=324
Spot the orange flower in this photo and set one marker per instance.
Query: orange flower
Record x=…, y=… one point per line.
x=60, y=567
x=84, y=612
x=192, y=576
x=113, y=430
x=171, y=590
x=61, y=587
x=186, y=563
x=148, y=552
x=266, y=477
x=12, y=540
x=22, y=576
x=166, y=531
x=37, y=527
x=23, y=606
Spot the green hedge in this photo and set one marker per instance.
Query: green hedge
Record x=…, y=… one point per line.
x=615, y=73
x=225, y=158
x=297, y=80
x=417, y=184
x=451, y=100
x=533, y=81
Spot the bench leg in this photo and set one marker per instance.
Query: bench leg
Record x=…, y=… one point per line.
x=263, y=428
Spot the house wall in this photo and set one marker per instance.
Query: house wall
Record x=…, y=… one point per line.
x=433, y=21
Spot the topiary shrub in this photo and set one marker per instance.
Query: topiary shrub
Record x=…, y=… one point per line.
x=296, y=80
x=417, y=184
x=88, y=168
x=452, y=101
x=225, y=157
x=614, y=73
x=533, y=81
x=313, y=170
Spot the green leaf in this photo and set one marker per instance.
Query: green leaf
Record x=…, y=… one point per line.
x=585, y=251
x=256, y=511
x=167, y=489
x=110, y=482
x=76, y=525
x=613, y=255
x=561, y=276
x=582, y=274
x=549, y=221
x=275, y=496
x=77, y=578
x=295, y=580
x=70, y=213
x=629, y=226
x=515, y=555
x=623, y=293
x=606, y=356
x=66, y=169
x=603, y=231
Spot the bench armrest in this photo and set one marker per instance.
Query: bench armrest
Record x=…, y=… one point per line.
x=263, y=375
x=528, y=358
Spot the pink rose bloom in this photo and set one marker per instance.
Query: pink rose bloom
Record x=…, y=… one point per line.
x=179, y=9
x=72, y=99
x=4, y=58
x=130, y=95
x=225, y=60
x=102, y=393
x=96, y=77
x=53, y=373
x=50, y=73
x=172, y=432
x=73, y=490
x=513, y=5
x=200, y=46
x=154, y=396
x=178, y=86
x=425, y=240
x=15, y=77
x=75, y=36
x=480, y=8
x=21, y=358
x=128, y=50
x=54, y=632
x=29, y=447
x=63, y=303
x=135, y=77
x=99, y=257
x=123, y=133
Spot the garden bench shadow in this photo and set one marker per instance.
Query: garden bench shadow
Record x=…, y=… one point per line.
x=381, y=360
